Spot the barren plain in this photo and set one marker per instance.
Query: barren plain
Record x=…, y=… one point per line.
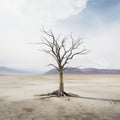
x=99, y=98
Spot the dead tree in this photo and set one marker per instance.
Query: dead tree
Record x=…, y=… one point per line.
x=58, y=48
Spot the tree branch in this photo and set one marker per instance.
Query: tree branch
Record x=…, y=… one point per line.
x=54, y=66
x=58, y=50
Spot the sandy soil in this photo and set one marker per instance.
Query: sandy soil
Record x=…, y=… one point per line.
x=100, y=98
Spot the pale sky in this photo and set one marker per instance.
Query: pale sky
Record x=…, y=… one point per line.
x=97, y=21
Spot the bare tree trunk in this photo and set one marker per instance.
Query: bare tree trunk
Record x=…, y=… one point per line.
x=61, y=85
x=62, y=54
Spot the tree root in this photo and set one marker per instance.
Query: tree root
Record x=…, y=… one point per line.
x=58, y=93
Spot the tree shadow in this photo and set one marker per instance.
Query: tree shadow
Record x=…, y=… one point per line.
x=101, y=99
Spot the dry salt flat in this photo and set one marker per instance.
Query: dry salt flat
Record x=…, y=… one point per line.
x=100, y=98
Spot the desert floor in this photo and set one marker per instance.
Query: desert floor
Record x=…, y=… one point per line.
x=100, y=98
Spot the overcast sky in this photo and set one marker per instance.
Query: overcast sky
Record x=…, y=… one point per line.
x=97, y=21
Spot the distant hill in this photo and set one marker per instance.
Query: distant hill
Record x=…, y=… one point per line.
x=7, y=70
x=86, y=71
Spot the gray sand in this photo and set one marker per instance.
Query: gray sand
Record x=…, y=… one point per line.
x=17, y=100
